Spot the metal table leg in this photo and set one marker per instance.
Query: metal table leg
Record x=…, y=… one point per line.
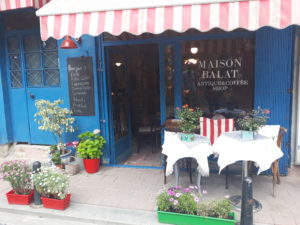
x=176, y=173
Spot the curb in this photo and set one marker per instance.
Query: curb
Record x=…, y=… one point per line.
x=87, y=214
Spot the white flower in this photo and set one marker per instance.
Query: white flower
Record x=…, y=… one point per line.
x=96, y=131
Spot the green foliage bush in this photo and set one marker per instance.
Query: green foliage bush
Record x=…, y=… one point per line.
x=90, y=145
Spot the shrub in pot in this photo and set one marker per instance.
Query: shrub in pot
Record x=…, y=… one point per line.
x=90, y=149
x=53, y=185
x=178, y=205
x=57, y=120
x=18, y=174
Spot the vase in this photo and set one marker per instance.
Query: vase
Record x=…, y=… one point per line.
x=186, y=219
x=187, y=137
x=247, y=135
x=91, y=165
x=60, y=204
x=13, y=198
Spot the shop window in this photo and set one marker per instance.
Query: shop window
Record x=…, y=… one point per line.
x=218, y=75
x=37, y=61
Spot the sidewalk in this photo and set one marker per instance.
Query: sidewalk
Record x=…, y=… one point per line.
x=127, y=196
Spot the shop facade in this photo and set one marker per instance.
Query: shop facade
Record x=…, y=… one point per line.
x=136, y=79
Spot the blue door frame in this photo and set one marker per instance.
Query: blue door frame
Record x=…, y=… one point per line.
x=176, y=42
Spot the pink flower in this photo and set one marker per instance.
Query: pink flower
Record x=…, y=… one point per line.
x=171, y=193
x=175, y=202
x=196, y=199
x=266, y=111
x=171, y=199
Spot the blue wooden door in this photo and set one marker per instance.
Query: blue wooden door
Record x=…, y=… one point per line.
x=32, y=69
x=118, y=104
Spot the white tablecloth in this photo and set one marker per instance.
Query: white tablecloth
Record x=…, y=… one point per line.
x=231, y=148
x=174, y=148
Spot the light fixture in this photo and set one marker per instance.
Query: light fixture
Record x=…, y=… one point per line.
x=191, y=61
x=194, y=50
x=118, y=64
x=68, y=43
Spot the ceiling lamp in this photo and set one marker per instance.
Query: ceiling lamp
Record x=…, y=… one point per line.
x=68, y=43
x=194, y=50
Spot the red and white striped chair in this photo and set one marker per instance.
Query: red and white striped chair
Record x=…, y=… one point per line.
x=213, y=128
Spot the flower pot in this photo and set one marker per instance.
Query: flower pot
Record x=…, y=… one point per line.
x=59, y=204
x=186, y=219
x=187, y=137
x=19, y=199
x=247, y=135
x=91, y=165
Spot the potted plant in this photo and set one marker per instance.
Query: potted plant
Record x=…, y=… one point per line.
x=90, y=149
x=189, y=120
x=57, y=120
x=251, y=121
x=184, y=206
x=53, y=185
x=18, y=174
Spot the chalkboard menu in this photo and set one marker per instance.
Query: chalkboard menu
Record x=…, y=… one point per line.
x=81, y=86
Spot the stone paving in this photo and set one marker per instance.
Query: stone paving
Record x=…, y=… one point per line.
x=136, y=189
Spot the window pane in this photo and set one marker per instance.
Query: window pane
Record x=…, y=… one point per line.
x=32, y=43
x=13, y=44
x=218, y=75
x=51, y=77
x=33, y=60
x=14, y=62
x=34, y=78
x=16, y=79
x=50, y=60
x=169, y=81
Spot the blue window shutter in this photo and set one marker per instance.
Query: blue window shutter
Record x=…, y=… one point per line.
x=273, y=80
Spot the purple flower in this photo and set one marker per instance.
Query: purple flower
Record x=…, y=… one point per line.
x=175, y=202
x=171, y=193
x=171, y=199
x=186, y=190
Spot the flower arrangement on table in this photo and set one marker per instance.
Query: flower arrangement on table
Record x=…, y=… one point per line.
x=189, y=121
x=253, y=120
x=18, y=174
x=181, y=201
x=53, y=185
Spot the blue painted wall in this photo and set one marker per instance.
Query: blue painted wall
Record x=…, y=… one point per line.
x=273, y=81
x=5, y=131
x=85, y=48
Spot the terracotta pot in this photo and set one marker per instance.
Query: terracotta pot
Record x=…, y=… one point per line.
x=60, y=204
x=13, y=198
x=91, y=165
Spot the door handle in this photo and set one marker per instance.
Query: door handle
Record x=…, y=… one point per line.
x=32, y=96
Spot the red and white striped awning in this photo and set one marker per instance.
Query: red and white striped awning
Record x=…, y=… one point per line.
x=18, y=4
x=77, y=17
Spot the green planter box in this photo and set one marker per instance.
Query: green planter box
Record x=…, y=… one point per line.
x=185, y=219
